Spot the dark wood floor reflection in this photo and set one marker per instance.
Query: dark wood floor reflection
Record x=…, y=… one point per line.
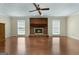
x=41, y=46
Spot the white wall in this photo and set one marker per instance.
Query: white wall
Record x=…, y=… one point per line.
x=63, y=26
x=27, y=26
x=6, y=21
x=73, y=26
x=13, y=23
x=50, y=26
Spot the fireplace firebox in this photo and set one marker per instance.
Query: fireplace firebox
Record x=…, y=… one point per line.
x=38, y=31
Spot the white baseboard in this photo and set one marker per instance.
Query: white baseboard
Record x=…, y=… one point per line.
x=77, y=38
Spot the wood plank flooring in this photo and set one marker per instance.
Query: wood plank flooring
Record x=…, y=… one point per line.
x=40, y=46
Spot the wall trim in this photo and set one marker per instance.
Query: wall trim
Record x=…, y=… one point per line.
x=73, y=37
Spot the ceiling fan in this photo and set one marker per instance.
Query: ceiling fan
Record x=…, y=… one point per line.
x=38, y=8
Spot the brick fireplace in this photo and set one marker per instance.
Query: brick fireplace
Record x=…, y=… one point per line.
x=38, y=26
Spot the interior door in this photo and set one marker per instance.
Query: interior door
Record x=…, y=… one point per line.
x=2, y=32
x=2, y=37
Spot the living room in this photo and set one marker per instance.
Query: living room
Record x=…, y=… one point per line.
x=54, y=32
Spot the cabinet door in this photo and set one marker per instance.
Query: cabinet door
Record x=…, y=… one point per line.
x=2, y=32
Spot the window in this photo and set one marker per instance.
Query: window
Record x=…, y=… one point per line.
x=21, y=27
x=56, y=27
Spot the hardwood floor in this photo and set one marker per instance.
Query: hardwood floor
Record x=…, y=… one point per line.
x=40, y=46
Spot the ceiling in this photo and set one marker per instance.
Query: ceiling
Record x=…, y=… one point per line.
x=22, y=9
